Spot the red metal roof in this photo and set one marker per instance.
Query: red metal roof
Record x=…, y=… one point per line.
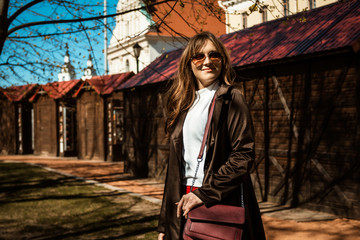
x=18, y=93
x=107, y=84
x=161, y=69
x=328, y=28
x=102, y=85
x=57, y=90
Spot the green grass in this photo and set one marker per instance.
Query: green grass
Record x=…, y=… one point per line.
x=37, y=204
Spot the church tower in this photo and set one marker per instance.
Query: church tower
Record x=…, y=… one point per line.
x=90, y=71
x=67, y=70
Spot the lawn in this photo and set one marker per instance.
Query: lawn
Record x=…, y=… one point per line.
x=37, y=204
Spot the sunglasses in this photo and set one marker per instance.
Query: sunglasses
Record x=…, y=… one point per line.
x=199, y=58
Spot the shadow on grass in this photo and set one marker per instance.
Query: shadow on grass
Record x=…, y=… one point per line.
x=23, y=182
x=134, y=226
x=37, y=204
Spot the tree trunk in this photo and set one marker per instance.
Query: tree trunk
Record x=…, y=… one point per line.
x=4, y=6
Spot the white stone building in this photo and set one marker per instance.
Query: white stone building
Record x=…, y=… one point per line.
x=159, y=31
x=239, y=16
x=136, y=27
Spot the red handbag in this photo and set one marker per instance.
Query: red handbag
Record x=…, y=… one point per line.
x=218, y=221
x=214, y=223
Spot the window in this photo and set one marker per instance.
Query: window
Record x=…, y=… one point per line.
x=116, y=65
x=119, y=130
x=286, y=7
x=32, y=130
x=67, y=124
x=20, y=133
x=115, y=130
x=127, y=65
x=244, y=20
x=312, y=4
x=127, y=28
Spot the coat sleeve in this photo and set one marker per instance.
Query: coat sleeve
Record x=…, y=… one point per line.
x=237, y=166
x=168, y=222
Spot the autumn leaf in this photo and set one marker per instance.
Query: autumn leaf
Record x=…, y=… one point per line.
x=302, y=19
x=253, y=8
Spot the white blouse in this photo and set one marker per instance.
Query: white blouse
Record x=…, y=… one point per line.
x=193, y=132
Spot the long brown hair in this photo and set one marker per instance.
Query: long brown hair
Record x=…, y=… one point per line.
x=184, y=86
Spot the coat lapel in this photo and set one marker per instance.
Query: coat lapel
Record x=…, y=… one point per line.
x=177, y=135
x=223, y=89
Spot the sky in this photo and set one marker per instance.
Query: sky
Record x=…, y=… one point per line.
x=52, y=48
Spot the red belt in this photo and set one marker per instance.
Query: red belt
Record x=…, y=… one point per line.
x=187, y=189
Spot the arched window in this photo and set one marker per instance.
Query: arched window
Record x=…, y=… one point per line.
x=264, y=14
x=286, y=7
x=244, y=20
x=127, y=28
x=312, y=4
x=127, y=65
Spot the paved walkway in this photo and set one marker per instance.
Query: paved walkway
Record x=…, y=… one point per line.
x=111, y=175
x=107, y=174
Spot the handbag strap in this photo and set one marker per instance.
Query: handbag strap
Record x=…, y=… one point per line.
x=207, y=127
x=201, y=153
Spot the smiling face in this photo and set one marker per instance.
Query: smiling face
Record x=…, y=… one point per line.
x=208, y=71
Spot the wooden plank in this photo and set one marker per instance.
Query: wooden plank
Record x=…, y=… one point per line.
x=91, y=126
x=266, y=139
x=319, y=167
x=162, y=106
x=284, y=103
x=277, y=165
x=328, y=178
x=46, y=126
x=256, y=85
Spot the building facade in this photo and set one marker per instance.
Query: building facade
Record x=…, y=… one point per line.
x=241, y=14
x=156, y=30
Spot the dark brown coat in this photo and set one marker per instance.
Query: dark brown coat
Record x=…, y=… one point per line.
x=230, y=155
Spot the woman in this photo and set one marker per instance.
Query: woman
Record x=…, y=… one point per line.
x=205, y=71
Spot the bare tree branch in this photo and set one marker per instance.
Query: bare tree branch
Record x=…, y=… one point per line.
x=22, y=9
x=25, y=25
x=56, y=34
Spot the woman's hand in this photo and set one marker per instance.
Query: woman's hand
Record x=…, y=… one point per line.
x=186, y=203
x=161, y=236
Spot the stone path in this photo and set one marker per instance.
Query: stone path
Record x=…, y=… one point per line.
x=108, y=174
